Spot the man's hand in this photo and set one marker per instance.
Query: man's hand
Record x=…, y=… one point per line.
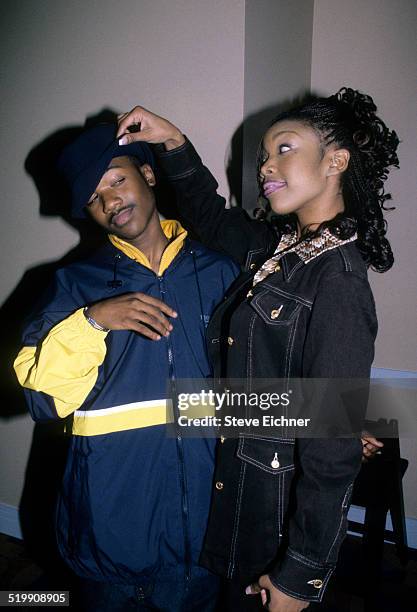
x=134, y=311
x=279, y=601
x=370, y=446
x=152, y=129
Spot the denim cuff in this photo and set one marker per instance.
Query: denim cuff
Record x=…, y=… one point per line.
x=300, y=577
x=178, y=163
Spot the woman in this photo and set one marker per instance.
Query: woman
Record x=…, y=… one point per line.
x=302, y=309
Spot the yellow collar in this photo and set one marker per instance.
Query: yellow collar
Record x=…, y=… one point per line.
x=176, y=235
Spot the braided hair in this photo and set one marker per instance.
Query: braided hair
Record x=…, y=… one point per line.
x=348, y=119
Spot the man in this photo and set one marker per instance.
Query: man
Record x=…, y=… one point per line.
x=112, y=330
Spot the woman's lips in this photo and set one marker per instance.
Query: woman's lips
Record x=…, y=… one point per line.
x=122, y=217
x=272, y=186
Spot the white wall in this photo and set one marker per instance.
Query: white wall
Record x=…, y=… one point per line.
x=371, y=45
x=277, y=68
x=65, y=59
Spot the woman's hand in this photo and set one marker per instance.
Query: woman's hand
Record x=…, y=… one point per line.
x=279, y=601
x=149, y=128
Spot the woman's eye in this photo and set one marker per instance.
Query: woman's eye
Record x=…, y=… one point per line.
x=118, y=182
x=283, y=148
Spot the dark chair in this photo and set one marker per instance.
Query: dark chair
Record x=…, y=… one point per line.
x=378, y=488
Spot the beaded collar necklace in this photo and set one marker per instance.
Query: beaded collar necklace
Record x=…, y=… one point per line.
x=307, y=250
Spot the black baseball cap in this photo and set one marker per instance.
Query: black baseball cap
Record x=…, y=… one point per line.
x=83, y=162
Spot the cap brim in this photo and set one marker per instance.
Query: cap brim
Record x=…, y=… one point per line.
x=87, y=181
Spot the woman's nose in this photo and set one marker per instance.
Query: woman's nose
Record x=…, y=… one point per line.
x=267, y=168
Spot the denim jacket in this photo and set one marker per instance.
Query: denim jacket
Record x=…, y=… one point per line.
x=287, y=521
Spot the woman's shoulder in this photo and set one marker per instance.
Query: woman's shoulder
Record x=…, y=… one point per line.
x=344, y=259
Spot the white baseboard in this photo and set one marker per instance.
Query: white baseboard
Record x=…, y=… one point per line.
x=9, y=522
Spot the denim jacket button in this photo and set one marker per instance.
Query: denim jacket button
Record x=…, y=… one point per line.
x=230, y=341
x=222, y=439
x=252, y=266
x=317, y=584
x=276, y=312
x=219, y=485
x=275, y=463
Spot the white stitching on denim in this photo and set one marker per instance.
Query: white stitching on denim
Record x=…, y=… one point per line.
x=304, y=560
x=291, y=296
x=304, y=596
x=231, y=565
x=279, y=505
x=266, y=316
x=346, y=260
x=280, y=440
x=250, y=254
x=345, y=501
x=294, y=270
x=342, y=520
x=178, y=177
x=288, y=591
x=249, y=345
x=245, y=457
x=175, y=151
x=290, y=345
x=265, y=468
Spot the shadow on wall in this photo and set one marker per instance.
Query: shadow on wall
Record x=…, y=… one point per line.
x=49, y=444
x=242, y=153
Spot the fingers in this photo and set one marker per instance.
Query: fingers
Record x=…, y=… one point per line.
x=149, y=128
x=125, y=120
x=137, y=312
x=370, y=440
x=147, y=315
x=139, y=136
x=143, y=320
x=256, y=589
x=158, y=304
x=370, y=446
x=253, y=589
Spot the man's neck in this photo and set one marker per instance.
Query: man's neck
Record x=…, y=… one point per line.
x=152, y=243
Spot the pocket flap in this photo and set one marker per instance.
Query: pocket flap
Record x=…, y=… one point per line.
x=274, y=308
x=271, y=455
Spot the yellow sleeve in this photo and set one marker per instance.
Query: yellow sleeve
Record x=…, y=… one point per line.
x=65, y=364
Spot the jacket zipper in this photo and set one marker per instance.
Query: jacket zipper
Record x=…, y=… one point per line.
x=180, y=449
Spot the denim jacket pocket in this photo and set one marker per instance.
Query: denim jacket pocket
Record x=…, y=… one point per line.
x=269, y=468
x=273, y=456
x=275, y=308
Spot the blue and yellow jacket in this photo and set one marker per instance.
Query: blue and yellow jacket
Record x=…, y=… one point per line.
x=134, y=502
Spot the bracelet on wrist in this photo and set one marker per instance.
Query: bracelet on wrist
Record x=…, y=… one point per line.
x=93, y=322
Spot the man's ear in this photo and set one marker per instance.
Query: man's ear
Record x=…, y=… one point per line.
x=148, y=175
x=338, y=161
